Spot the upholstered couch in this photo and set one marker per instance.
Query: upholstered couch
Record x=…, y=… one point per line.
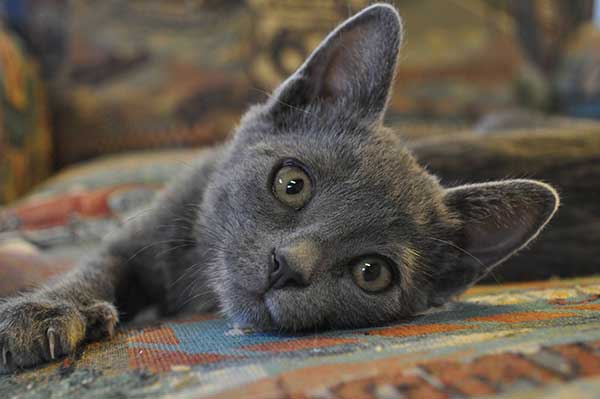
x=111, y=99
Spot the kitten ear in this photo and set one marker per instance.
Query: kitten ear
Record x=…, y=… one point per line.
x=355, y=65
x=498, y=219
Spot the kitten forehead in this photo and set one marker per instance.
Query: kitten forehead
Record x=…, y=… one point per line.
x=343, y=152
x=385, y=162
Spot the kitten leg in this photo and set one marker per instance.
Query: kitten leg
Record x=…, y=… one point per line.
x=51, y=322
x=138, y=266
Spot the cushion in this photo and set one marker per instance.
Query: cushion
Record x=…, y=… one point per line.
x=136, y=75
x=25, y=142
x=70, y=213
x=578, y=80
x=527, y=341
x=524, y=340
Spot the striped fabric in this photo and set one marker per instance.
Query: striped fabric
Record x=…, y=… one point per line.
x=518, y=341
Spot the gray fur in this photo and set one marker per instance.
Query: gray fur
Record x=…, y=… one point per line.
x=207, y=242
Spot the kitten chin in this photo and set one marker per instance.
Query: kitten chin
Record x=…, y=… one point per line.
x=287, y=314
x=248, y=311
x=275, y=310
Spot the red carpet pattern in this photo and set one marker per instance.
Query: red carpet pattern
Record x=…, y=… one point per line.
x=521, y=340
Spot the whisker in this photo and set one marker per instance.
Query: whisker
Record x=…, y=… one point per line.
x=166, y=251
x=282, y=102
x=188, y=271
x=139, y=213
x=196, y=296
x=464, y=251
x=148, y=246
x=184, y=163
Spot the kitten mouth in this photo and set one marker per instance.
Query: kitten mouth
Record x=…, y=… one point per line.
x=282, y=317
x=256, y=311
x=264, y=318
x=261, y=306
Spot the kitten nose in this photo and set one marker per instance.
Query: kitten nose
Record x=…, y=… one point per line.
x=284, y=273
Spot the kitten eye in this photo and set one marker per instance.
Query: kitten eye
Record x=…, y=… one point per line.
x=372, y=274
x=292, y=186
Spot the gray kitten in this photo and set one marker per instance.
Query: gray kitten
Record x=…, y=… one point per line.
x=312, y=216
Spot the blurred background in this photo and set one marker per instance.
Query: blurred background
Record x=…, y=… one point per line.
x=84, y=78
x=100, y=101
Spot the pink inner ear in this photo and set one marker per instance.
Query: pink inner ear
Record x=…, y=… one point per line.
x=345, y=62
x=499, y=218
x=354, y=65
x=499, y=235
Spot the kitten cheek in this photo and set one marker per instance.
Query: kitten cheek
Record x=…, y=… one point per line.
x=251, y=276
x=294, y=311
x=246, y=310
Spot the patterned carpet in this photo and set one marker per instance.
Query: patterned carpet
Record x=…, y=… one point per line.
x=518, y=341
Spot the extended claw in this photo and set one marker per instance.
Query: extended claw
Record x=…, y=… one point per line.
x=51, y=334
x=111, y=329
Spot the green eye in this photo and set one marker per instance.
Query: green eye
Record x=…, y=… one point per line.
x=292, y=186
x=372, y=274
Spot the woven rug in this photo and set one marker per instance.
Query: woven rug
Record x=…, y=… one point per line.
x=518, y=341
x=530, y=340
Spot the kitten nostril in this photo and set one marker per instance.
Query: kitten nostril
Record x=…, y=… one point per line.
x=283, y=274
x=274, y=263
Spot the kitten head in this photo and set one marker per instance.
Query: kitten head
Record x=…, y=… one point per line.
x=319, y=217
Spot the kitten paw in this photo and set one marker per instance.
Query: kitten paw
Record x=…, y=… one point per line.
x=37, y=331
x=101, y=320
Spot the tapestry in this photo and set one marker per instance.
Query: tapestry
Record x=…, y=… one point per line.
x=129, y=75
x=513, y=341
x=25, y=141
